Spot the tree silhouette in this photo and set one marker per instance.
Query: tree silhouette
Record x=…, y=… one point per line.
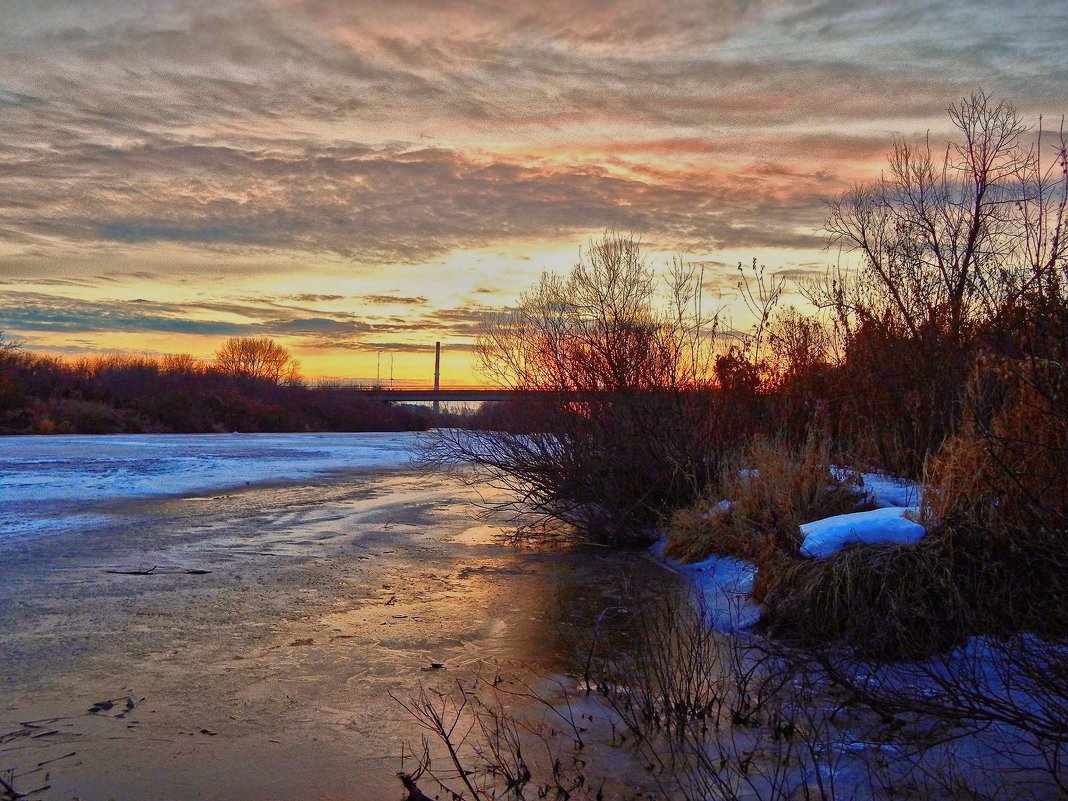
x=258, y=358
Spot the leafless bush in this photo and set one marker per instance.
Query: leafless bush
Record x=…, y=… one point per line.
x=613, y=414
x=1005, y=696
x=949, y=241
x=952, y=246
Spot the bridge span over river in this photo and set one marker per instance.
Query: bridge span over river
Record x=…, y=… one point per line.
x=413, y=394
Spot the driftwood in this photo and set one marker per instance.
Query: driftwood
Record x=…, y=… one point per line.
x=11, y=794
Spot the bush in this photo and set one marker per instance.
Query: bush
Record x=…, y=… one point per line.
x=175, y=394
x=75, y=416
x=614, y=419
x=995, y=560
x=1005, y=472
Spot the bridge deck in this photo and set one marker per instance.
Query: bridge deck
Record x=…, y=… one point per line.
x=443, y=395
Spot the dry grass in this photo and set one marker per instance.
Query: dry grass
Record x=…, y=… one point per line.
x=996, y=556
x=911, y=601
x=894, y=601
x=772, y=489
x=1005, y=472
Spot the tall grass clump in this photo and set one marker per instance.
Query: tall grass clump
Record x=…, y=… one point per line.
x=762, y=498
x=998, y=495
x=895, y=601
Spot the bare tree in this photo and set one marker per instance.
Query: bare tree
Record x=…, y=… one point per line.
x=957, y=245
x=609, y=365
x=948, y=240
x=259, y=358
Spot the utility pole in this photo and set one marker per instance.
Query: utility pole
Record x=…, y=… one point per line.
x=378, y=372
x=437, y=376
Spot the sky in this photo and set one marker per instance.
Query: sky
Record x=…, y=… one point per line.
x=359, y=180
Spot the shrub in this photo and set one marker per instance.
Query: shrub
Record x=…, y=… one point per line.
x=613, y=382
x=75, y=416
x=1005, y=472
x=995, y=560
x=113, y=394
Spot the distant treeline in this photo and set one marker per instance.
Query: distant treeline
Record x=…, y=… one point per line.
x=41, y=394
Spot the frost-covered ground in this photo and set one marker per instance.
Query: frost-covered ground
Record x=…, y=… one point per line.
x=53, y=483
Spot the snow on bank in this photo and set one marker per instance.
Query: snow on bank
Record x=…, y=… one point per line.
x=723, y=588
x=724, y=585
x=827, y=537
x=898, y=499
x=46, y=480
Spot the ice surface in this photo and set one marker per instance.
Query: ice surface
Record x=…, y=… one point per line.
x=47, y=482
x=826, y=537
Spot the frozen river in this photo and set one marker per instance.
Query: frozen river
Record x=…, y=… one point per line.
x=60, y=482
x=257, y=635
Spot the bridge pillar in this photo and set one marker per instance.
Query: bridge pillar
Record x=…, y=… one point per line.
x=437, y=376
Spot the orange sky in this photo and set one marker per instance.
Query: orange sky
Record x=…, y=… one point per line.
x=355, y=178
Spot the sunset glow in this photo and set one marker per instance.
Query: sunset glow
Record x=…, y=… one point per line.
x=357, y=179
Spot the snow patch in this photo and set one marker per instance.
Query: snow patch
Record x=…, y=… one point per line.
x=883, y=490
x=827, y=537
x=889, y=491
x=722, y=586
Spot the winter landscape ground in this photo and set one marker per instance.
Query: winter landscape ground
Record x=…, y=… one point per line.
x=247, y=617
x=765, y=307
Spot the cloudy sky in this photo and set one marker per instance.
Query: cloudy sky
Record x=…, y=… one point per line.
x=360, y=177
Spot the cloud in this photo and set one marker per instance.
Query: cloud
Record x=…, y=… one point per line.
x=308, y=297
x=167, y=140
x=30, y=311
x=242, y=125
x=802, y=273
x=29, y=314
x=381, y=205
x=401, y=300
x=395, y=346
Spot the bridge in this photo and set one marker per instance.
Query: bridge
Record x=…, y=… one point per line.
x=414, y=394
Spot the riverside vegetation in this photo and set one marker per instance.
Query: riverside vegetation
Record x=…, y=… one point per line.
x=941, y=358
